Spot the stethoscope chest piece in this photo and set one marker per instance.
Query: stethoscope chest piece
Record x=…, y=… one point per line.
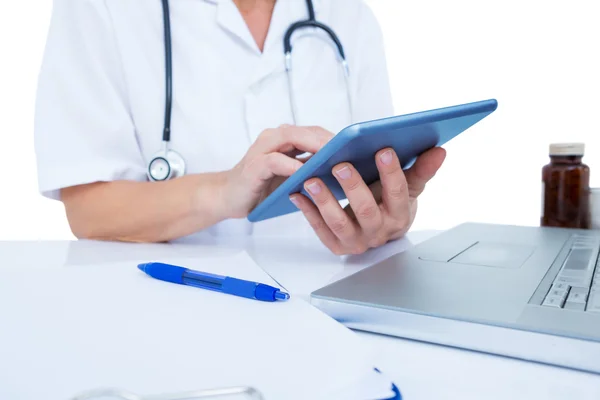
x=165, y=165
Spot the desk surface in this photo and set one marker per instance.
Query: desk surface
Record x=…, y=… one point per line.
x=422, y=370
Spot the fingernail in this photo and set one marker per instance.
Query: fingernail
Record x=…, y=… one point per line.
x=344, y=173
x=386, y=157
x=294, y=201
x=314, y=188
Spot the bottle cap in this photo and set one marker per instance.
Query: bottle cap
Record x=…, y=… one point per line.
x=567, y=149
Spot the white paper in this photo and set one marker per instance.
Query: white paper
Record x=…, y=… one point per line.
x=372, y=386
x=71, y=329
x=303, y=266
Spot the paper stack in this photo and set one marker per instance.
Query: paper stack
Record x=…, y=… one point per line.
x=71, y=329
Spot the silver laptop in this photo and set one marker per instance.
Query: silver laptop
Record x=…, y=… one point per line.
x=526, y=292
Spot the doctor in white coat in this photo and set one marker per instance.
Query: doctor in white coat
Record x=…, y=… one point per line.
x=156, y=119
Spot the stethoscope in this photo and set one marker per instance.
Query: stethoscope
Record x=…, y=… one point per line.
x=167, y=163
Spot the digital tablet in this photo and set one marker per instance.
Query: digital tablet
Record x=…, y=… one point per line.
x=409, y=135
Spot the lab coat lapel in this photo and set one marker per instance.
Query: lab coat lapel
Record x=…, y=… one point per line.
x=230, y=20
x=282, y=18
x=286, y=13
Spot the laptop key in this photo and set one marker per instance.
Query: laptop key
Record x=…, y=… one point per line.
x=585, y=238
x=577, y=295
x=574, y=306
x=571, y=280
x=558, y=292
x=553, y=301
x=577, y=281
x=559, y=285
x=579, y=260
x=593, y=304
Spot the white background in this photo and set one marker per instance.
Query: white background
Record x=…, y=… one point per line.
x=539, y=59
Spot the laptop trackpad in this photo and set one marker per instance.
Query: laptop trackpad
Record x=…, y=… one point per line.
x=489, y=254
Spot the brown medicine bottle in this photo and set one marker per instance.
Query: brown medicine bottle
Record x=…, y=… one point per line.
x=565, y=188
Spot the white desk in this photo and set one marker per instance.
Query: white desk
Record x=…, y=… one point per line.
x=421, y=370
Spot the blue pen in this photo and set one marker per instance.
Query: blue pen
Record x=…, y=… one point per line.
x=218, y=283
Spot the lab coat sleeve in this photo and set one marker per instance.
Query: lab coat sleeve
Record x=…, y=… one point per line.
x=373, y=98
x=83, y=129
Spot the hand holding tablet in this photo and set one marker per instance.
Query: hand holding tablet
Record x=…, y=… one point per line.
x=408, y=135
x=364, y=163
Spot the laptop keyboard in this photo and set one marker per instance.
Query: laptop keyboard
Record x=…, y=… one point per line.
x=577, y=284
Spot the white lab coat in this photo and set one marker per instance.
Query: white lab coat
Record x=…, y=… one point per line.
x=100, y=103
